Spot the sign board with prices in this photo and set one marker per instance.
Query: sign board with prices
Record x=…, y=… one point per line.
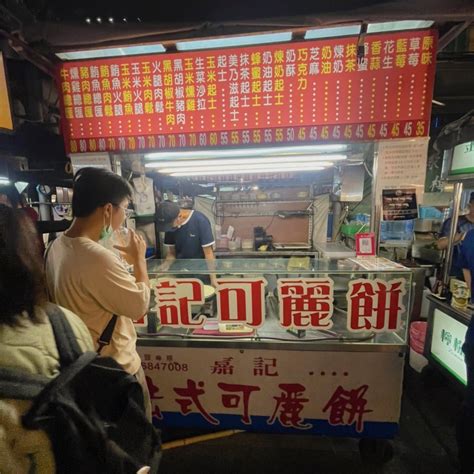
x=288, y=93
x=330, y=393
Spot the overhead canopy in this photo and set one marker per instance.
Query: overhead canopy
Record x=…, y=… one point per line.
x=169, y=21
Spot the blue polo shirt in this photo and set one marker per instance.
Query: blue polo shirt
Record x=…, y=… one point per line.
x=191, y=237
x=467, y=259
x=464, y=225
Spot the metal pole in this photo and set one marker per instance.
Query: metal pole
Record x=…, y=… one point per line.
x=336, y=218
x=452, y=232
x=375, y=215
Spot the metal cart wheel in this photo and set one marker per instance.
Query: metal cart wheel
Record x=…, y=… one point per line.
x=375, y=451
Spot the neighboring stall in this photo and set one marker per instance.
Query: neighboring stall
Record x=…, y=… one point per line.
x=313, y=342
x=447, y=324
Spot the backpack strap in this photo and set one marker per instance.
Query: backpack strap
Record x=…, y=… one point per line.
x=64, y=336
x=106, y=336
x=45, y=261
x=20, y=385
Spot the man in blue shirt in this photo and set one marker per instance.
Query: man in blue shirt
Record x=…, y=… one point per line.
x=465, y=224
x=465, y=424
x=188, y=235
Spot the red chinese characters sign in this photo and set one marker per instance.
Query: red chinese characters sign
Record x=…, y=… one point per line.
x=306, y=303
x=286, y=93
x=323, y=392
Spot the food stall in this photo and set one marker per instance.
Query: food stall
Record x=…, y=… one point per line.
x=311, y=343
x=317, y=348
x=447, y=324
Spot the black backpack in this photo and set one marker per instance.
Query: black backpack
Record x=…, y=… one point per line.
x=93, y=411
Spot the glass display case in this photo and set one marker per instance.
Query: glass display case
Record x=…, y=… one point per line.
x=283, y=345
x=305, y=300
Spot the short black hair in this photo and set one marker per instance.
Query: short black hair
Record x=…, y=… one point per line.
x=96, y=187
x=10, y=191
x=22, y=284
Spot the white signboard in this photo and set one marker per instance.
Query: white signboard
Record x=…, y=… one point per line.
x=92, y=160
x=463, y=159
x=446, y=344
x=402, y=164
x=323, y=392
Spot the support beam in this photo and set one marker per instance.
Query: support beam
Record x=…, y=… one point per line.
x=452, y=34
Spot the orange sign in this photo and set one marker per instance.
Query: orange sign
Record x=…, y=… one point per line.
x=5, y=112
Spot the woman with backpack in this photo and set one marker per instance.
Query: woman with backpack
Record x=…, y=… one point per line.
x=27, y=342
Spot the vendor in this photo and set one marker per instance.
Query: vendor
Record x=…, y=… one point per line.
x=465, y=224
x=465, y=432
x=188, y=235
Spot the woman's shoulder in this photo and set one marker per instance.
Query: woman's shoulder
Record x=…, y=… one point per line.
x=77, y=325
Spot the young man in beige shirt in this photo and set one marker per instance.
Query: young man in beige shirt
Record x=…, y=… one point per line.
x=90, y=280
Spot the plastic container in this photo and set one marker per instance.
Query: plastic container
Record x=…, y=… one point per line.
x=417, y=345
x=429, y=212
x=397, y=230
x=418, y=332
x=417, y=361
x=354, y=228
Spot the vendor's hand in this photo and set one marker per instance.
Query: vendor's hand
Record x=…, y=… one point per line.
x=164, y=267
x=135, y=250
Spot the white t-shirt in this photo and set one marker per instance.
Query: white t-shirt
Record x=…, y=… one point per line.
x=92, y=282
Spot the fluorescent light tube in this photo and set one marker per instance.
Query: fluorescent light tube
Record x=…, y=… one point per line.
x=333, y=32
x=262, y=167
x=111, y=52
x=244, y=161
x=239, y=152
x=231, y=41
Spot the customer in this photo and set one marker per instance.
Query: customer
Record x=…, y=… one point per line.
x=27, y=342
x=90, y=280
x=10, y=196
x=465, y=431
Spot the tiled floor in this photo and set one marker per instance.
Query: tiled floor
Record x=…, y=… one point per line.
x=426, y=443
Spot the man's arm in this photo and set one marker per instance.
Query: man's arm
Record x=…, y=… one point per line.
x=211, y=263
x=442, y=243
x=170, y=258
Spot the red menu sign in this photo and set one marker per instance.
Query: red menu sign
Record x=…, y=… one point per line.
x=284, y=93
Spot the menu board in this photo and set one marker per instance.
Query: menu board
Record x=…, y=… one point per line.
x=399, y=204
x=290, y=93
x=401, y=165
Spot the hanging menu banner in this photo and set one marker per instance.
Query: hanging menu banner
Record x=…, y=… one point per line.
x=289, y=93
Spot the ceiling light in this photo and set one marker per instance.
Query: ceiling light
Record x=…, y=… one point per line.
x=111, y=52
x=98, y=19
x=437, y=102
x=4, y=180
x=124, y=19
x=398, y=25
x=266, y=170
x=231, y=41
x=244, y=161
x=88, y=20
x=334, y=32
x=241, y=152
x=111, y=20
x=245, y=167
